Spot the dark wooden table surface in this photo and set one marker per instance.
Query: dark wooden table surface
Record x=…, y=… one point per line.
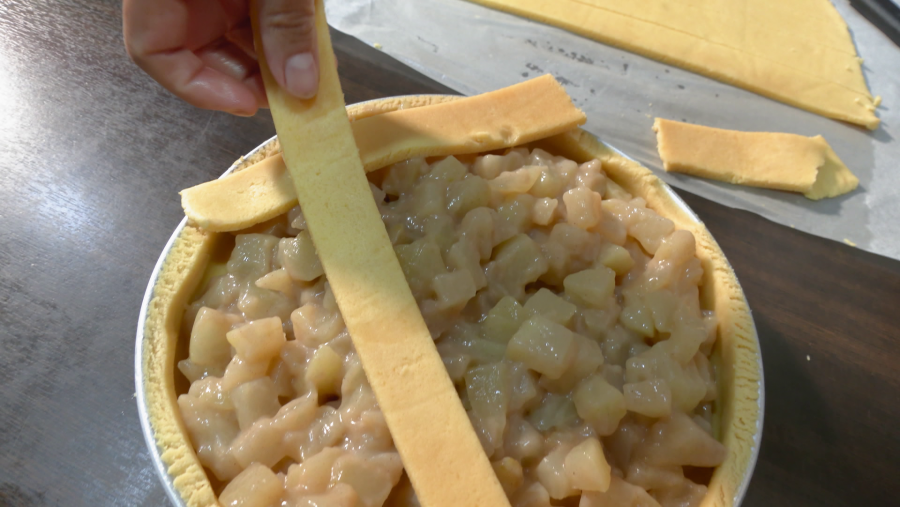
x=92, y=155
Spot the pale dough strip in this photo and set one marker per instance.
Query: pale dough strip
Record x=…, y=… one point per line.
x=508, y=117
x=437, y=444
x=773, y=160
x=780, y=82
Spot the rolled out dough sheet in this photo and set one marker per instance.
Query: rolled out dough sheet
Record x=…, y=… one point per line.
x=798, y=52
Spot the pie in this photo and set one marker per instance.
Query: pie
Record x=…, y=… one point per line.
x=598, y=338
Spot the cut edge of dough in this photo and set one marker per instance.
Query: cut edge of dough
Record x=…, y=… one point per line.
x=833, y=177
x=739, y=349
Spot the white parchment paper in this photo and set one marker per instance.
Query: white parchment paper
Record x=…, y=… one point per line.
x=473, y=49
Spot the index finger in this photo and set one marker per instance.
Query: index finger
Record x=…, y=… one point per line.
x=157, y=39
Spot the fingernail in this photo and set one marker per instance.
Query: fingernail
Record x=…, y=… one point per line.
x=301, y=76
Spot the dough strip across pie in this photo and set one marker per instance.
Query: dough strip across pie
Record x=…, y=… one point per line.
x=511, y=116
x=438, y=446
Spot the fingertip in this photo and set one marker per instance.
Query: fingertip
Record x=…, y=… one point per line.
x=255, y=83
x=288, y=33
x=244, y=113
x=246, y=106
x=301, y=75
x=211, y=89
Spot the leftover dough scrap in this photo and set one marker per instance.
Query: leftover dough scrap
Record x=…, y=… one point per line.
x=773, y=160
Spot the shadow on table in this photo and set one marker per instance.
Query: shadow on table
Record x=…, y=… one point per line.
x=14, y=495
x=805, y=459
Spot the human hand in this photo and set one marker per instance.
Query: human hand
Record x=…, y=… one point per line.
x=202, y=50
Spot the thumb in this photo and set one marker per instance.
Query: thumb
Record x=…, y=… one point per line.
x=288, y=32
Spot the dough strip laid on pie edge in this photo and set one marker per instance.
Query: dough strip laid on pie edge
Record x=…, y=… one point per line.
x=437, y=444
x=518, y=114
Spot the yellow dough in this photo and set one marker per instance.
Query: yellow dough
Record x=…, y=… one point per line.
x=430, y=428
x=798, y=52
x=508, y=117
x=760, y=159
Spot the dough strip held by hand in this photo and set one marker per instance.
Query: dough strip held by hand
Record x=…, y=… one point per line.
x=438, y=446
